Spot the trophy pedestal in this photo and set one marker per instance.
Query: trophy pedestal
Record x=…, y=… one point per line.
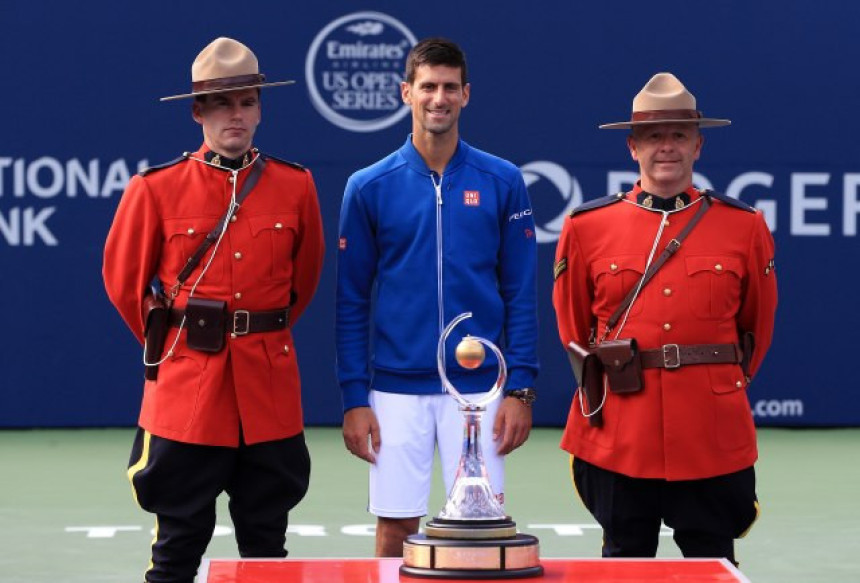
x=471, y=549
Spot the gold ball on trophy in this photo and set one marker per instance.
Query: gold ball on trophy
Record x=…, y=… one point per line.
x=470, y=353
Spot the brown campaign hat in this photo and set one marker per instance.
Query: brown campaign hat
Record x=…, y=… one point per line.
x=225, y=65
x=664, y=99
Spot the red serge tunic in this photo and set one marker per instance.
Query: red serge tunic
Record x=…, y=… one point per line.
x=273, y=249
x=694, y=421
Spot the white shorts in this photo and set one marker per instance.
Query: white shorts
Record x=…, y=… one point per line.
x=410, y=427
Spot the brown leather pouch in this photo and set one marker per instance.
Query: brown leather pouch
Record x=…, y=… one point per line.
x=620, y=360
x=155, y=318
x=205, y=321
x=589, y=376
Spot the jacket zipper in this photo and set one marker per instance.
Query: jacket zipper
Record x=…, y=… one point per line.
x=439, y=299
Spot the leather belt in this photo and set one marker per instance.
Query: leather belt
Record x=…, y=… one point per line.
x=241, y=322
x=676, y=355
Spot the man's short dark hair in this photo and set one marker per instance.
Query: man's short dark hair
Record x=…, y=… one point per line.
x=436, y=51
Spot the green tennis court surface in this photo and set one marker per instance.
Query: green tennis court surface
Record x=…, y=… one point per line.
x=67, y=515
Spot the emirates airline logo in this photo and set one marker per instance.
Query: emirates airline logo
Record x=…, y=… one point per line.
x=354, y=68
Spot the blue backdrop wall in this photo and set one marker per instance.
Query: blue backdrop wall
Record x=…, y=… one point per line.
x=80, y=84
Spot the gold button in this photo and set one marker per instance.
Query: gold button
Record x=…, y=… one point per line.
x=279, y=225
x=233, y=335
x=667, y=326
x=718, y=266
x=190, y=231
x=667, y=291
x=739, y=384
x=613, y=267
x=233, y=219
x=238, y=295
x=286, y=348
x=230, y=179
x=666, y=222
x=237, y=255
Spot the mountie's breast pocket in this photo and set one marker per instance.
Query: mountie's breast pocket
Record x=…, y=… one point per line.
x=614, y=277
x=715, y=286
x=182, y=239
x=274, y=238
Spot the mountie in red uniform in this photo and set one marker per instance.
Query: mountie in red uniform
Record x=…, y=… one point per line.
x=271, y=254
x=234, y=237
x=690, y=422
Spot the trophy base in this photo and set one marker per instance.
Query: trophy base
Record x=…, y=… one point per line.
x=476, y=558
x=470, y=529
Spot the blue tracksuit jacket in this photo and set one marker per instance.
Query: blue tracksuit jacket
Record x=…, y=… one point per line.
x=417, y=249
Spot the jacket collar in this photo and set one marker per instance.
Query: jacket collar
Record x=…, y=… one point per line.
x=222, y=162
x=416, y=162
x=654, y=202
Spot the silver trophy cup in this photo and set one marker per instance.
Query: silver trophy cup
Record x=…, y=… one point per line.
x=471, y=496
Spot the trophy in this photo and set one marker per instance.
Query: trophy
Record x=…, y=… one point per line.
x=472, y=537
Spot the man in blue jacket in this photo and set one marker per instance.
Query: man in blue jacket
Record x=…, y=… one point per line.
x=435, y=229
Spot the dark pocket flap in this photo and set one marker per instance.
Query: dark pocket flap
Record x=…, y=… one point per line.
x=205, y=321
x=617, y=354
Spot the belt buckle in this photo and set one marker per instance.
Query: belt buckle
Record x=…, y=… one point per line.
x=671, y=356
x=241, y=322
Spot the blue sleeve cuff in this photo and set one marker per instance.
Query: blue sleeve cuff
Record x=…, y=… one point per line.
x=520, y=379
x=354, y=395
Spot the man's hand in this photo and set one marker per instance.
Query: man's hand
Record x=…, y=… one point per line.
x=361, y=433
x=513, y=424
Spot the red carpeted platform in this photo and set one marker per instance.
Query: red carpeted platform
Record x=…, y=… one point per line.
x=386, y=571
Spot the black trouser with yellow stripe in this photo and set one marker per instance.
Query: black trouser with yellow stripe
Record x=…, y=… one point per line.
x=706, y=515
x=179, y=483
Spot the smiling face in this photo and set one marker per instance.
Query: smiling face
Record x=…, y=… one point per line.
x=229, y=120
x=436, y=96
x=666, y=153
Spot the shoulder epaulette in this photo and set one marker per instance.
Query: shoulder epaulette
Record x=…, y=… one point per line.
x=597, y=203
x=295, y=165
x=173, y=162
x=729, y=200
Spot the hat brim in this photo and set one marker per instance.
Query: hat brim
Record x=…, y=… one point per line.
x=702, y=122
x=226, y=90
